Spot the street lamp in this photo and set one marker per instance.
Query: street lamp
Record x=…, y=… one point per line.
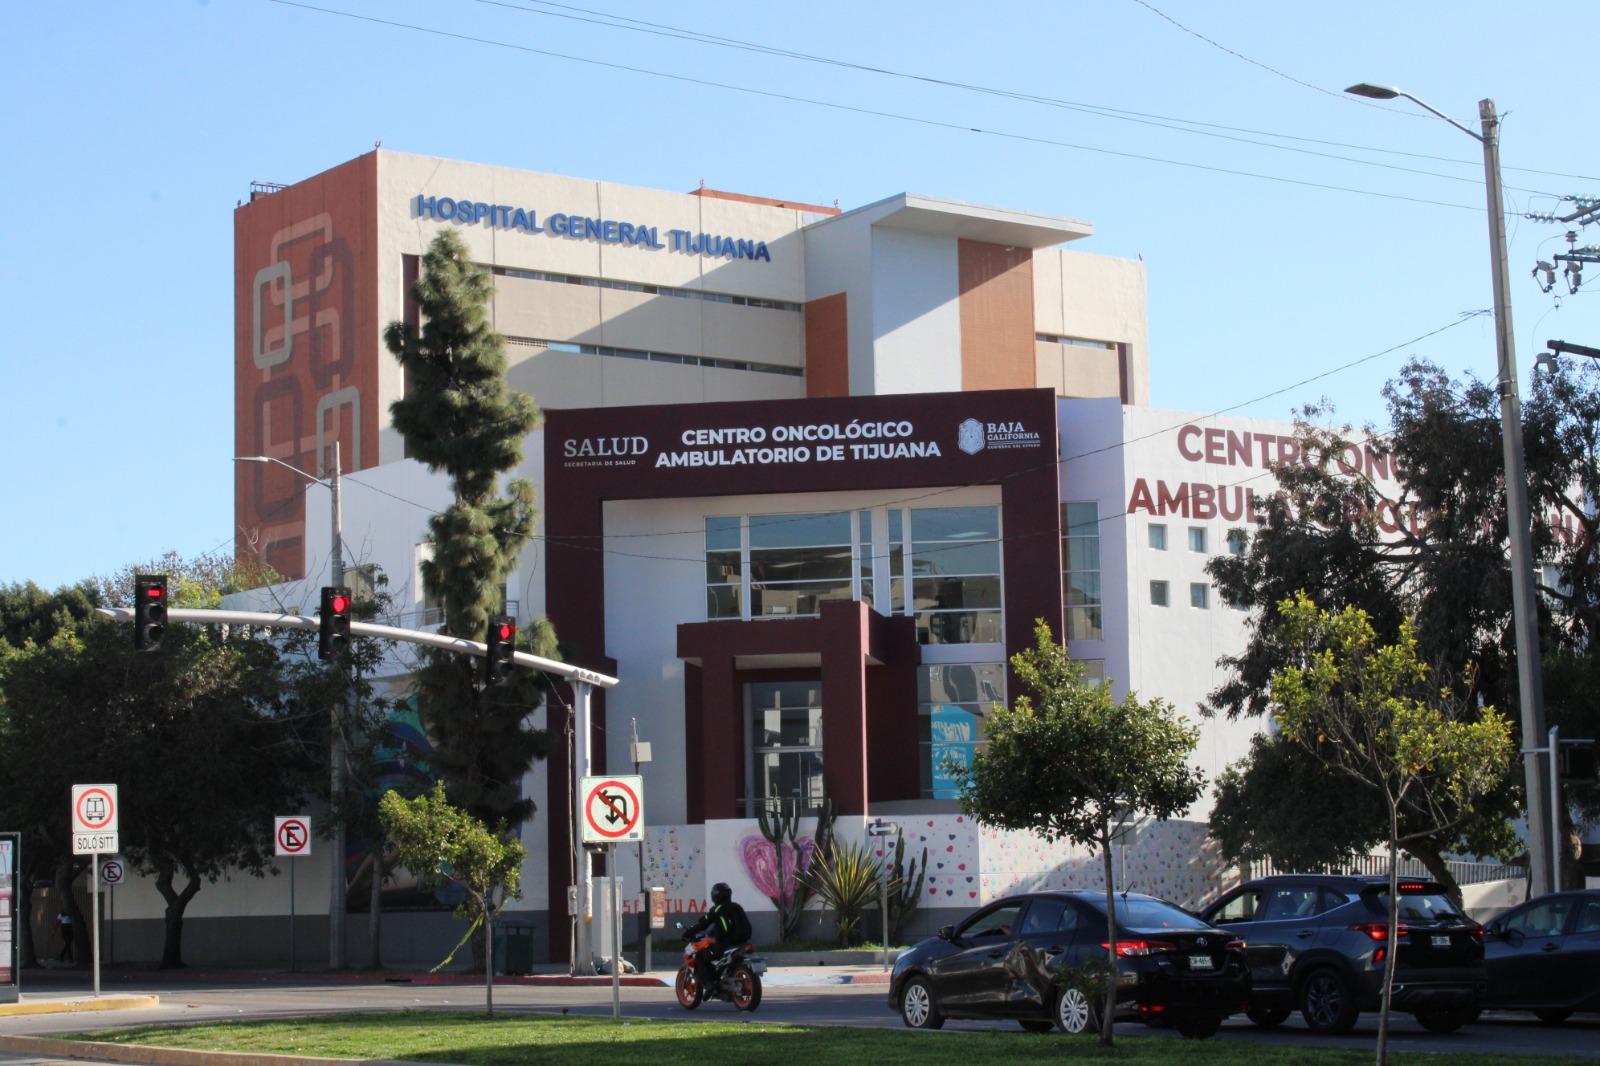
x=336, y=885
x=1524, y=609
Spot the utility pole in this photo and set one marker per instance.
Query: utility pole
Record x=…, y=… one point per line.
x=641, y=755
x=336, y=755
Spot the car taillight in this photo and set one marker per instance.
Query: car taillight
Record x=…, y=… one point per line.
x=1379, y=930
x=1133, y=948
x=1235, y=945
x=1477, y=933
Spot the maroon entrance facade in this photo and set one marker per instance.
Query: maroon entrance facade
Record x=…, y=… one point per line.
x=866, y=662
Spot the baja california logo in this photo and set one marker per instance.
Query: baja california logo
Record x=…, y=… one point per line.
x=969, y=436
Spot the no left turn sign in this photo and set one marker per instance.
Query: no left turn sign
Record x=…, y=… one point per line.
x=613, y=809
x=291, y=836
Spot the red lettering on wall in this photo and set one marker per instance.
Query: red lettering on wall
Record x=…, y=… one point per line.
x=1203, y=501
x=1139, y=499
x=1168, y=502
x=1183, y=448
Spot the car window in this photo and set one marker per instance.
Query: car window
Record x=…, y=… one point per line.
x=1286, y=903
x=1421, y=906
x=1332, y=899
x=1589, y=916
x=1241, y=908
x=1071, y=919
x=1154, y=914
x=1044, y=916
x=1545, y=918
x=1002, y=921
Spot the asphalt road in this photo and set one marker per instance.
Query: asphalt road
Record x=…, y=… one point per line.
x=784, y=1001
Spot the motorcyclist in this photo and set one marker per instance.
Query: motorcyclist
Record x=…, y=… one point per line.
x=728, y=927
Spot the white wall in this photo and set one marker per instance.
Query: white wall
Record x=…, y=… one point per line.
x=916, y=312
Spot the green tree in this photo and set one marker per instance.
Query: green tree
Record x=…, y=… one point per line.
x=1444, y=566
x=1067, y=761
x=443, y=844
x=459, y=417
x=1378, y=715
x=196, y=736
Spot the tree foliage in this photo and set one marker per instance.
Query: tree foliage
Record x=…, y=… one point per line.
x=443, y=844
x=459, y=417
x=1434, y=552
x=1378, y=715
x=1067, y=761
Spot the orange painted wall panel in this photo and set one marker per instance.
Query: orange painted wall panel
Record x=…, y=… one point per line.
x=828, y=346
x=997, y=335
x=305, y=351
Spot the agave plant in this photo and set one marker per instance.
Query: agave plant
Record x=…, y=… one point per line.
x=846, y=878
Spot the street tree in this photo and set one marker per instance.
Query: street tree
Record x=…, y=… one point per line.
x=459, y=417
x=196, y=736
x=1430, y=547
x=1069, y=762
x=444, y=844
x=1377, y=715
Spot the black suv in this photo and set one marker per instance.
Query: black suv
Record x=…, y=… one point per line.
x=1319, y=943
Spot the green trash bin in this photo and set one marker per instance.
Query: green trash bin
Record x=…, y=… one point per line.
x=513, y=945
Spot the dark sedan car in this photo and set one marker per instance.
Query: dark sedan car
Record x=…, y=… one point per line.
x=1016, y=958
x=1544, y=956
x=1319, y=943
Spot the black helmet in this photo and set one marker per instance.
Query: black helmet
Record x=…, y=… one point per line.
x=721, y=893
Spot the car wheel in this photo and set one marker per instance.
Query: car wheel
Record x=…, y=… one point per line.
x=1076, y=1013
x=1197, y=1028
x=1268, y=1017
x=1327, y=1002
x=917, y=1008
x=1036, y=1025
x=1443, y=1019
x=1552, y=1017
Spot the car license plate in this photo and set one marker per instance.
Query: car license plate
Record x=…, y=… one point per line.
x=1200, y=962
x=1441, y=941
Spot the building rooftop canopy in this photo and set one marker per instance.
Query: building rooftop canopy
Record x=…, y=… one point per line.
x=976, y=222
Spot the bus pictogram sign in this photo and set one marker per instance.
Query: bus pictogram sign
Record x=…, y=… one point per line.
x=613, y=809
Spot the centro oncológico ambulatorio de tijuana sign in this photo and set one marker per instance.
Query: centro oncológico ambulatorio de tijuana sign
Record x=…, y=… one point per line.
x=793, y=443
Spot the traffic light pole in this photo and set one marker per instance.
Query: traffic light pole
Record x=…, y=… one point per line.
x=336, y=749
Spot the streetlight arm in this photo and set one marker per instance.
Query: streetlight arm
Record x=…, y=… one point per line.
x=1440, y=114
x=280, y=462
x=1389, y=92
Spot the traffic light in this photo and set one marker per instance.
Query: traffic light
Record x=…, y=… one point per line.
x=149, y=610
x=1578, y=760
x=333, y=630
x=501, y=642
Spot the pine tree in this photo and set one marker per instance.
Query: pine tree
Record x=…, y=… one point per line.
x=459, y=417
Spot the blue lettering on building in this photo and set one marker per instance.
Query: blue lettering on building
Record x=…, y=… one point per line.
x=465, y=212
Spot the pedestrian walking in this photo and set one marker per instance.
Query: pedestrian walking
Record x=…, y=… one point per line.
x=69, y=952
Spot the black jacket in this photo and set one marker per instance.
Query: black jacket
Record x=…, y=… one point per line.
x=726, y=922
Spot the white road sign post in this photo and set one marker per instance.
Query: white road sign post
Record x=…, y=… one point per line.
x=613, y=813
x=94, y=831
x=291, y=838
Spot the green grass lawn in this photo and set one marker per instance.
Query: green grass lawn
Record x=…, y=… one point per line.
x=542, y=1038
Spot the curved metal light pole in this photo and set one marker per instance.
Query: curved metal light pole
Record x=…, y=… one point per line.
x=1524, y=606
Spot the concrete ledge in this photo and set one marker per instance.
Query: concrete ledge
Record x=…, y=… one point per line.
x=145, y=1055
x=75, y=1003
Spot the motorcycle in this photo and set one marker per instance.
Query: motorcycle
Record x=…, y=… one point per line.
x=737, y=976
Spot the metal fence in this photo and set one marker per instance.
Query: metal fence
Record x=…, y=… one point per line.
x=1465, y=873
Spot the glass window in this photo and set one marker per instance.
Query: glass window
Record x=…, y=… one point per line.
x=1589, y=916
x=1094, y=670
x=1158, y=593
x=1080, y=566
x=1044, y=916
x=1154, y=914
x=864, y=554
x=1197, y=538
x=897, y=565
x=786, y=744
x=1000, y=922
x=1158, y=536
x=955, y=567
x=1288, y=902
x=779, y=566
x=952, y=703
x=799, y=530
x=1241, y=908
x=1237, y=541
x=1544, y=918
x=1199, y=595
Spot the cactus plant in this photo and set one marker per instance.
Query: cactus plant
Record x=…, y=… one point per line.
x=905, y=888
x=779, y=822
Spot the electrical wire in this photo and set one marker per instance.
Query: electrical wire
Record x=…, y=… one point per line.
x=658, y=29
x=873, y=112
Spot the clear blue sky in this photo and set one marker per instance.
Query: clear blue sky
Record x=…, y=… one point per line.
x=132, y=129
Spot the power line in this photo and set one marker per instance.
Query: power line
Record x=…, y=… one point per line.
x=860, y=110
x=595, y=17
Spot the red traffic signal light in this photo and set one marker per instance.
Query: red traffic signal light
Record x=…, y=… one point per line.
x=500, y=649
x=333, y=623
x=149, y=610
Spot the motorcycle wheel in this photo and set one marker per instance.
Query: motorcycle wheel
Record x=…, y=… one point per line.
x=746, y=989
x=687, y=989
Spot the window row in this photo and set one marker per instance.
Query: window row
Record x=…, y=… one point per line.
x=653, y=290
x=946, y=573
x=1199, y=595
x=1157, y=534
x=656, y=357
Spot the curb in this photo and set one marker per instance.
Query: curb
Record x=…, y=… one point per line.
x=69, y=1006
x=156, y=977
x=146, y=1055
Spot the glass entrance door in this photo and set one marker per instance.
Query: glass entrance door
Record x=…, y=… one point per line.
x=783, y=725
